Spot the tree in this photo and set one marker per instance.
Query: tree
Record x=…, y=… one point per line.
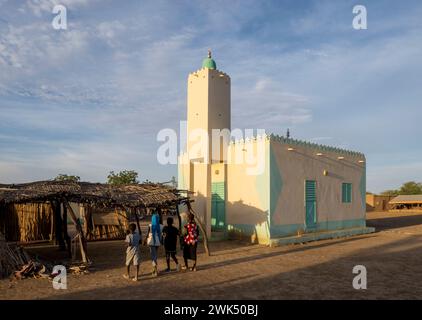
x=411, y=187
x=123, y=177
x=65, y=177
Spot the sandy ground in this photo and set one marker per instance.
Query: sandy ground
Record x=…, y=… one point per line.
x=318, y=270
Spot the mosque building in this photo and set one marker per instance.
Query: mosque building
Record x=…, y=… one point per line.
x=268, y=189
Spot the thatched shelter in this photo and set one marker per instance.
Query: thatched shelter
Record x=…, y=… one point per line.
x=127, y=196
x=49, y=203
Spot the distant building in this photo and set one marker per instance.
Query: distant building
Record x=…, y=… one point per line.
x=407, y=202
x=376, y=202
x=305, y=191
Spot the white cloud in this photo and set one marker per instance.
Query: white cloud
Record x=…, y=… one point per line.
x=267, y=106
x=109, y=31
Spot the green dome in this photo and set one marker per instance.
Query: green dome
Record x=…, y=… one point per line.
x=209, y=62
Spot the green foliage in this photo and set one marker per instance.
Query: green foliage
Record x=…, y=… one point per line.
x=65, y=177
x=123, y=177
x=410, y=187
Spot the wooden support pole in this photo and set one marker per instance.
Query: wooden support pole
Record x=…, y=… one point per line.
x=130, y=212
x=85, y=228
x=58, y=224
x=180, y=225
x=138, y=223
x=66, y=237
x=82, y=239
x=88, y=222
x=93, y=224
x=52, y=221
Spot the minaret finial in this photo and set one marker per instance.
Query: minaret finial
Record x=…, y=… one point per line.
x=209, y=53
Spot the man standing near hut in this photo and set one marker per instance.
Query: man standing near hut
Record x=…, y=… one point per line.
x=133, y=252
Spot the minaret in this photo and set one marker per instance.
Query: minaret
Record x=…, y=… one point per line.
x=208, y=109
x=208, y=106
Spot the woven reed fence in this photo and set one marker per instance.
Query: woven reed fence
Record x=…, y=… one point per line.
x=108, y=232
x=26, y=222
x=114, y=227
x=34, y=222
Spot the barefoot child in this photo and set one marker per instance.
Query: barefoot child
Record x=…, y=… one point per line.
x=133, y=253
x=170, y=234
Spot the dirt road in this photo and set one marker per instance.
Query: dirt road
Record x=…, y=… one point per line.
x=318, y=270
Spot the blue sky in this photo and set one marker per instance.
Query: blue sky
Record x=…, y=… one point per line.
x=92, y=98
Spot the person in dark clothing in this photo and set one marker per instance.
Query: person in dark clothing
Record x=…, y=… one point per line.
x=170, y=234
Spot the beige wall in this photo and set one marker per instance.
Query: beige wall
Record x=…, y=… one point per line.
x=247, y=208
x=183, y=170
x=376, y=202
x=302, y=164
x=196, y=177
x=218, y=172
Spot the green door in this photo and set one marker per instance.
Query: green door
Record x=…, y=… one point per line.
x=218, y=206
x=310, y=204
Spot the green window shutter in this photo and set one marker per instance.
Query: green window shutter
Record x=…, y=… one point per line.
x=310, y=187
x=343, y=192
x=349, y=192
x=346, y=192
x=218, y=191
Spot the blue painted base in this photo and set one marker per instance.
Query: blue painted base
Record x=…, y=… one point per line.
x=322, y=230
x=293, y=229
x=332, y=234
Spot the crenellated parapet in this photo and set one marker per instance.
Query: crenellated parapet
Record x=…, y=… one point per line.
x=221, y=73
x=299, y=143
x=316, y=146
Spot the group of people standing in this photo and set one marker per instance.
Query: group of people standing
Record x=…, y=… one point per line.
x=158, y=235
